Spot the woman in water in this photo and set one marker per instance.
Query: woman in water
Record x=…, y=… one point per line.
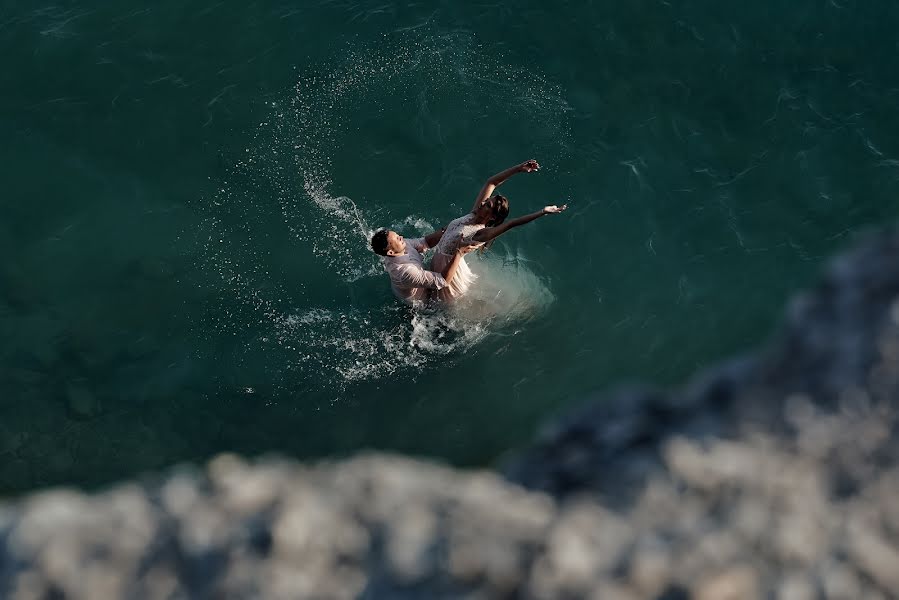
x=480, y=227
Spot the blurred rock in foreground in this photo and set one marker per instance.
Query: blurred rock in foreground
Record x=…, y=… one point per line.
x=775, y=476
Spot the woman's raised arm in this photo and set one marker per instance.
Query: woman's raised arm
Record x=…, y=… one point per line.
x=491, y=233
x=527, y=166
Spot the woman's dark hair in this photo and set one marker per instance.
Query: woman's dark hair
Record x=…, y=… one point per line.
x=379, y=242
x=500, y=210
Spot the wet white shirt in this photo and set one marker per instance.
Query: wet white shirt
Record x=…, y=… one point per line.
x=411, y=282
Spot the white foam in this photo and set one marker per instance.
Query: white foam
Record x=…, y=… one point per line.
x=506, y=291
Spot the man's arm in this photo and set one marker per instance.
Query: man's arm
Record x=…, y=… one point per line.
x=420, y=277
x=490, y=233
x=454, y=264
x=527, y=166
x=432, y=239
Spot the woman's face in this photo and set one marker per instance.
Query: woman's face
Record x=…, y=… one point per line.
x=485, y=209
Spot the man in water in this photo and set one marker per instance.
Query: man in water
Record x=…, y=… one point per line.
x=403, y=261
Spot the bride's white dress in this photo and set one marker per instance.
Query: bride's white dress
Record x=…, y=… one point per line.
x=458, y=232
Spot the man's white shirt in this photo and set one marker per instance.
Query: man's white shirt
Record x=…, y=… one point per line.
x=410, y=281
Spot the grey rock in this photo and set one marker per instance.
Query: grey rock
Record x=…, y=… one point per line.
x=770, y=476
x=651, y=568
x=740, y=582
x=796, y=586
x=839, y=582
x=874, y=554
x=833, y=341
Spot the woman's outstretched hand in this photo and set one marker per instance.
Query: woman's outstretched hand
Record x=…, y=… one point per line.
x=551, y=210
x=528, y=166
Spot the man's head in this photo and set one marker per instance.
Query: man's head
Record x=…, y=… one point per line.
x=388, y=243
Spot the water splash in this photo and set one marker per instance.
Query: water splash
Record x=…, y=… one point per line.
x=280, y=198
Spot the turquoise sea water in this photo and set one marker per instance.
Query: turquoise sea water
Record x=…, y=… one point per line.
x=187, y=190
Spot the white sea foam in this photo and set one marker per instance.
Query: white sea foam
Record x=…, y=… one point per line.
x=507, y=291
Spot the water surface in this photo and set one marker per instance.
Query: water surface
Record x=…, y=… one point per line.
x=188, y=191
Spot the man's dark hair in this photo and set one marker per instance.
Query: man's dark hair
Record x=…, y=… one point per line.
x=379, y=242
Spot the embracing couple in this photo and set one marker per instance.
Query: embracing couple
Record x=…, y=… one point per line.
x=449, y=278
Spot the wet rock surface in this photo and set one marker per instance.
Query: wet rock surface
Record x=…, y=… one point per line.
x=770, y=476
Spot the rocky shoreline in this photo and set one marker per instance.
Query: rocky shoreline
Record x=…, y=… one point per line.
x=775, y=475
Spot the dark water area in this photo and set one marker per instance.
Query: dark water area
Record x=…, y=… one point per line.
x=187, y=191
